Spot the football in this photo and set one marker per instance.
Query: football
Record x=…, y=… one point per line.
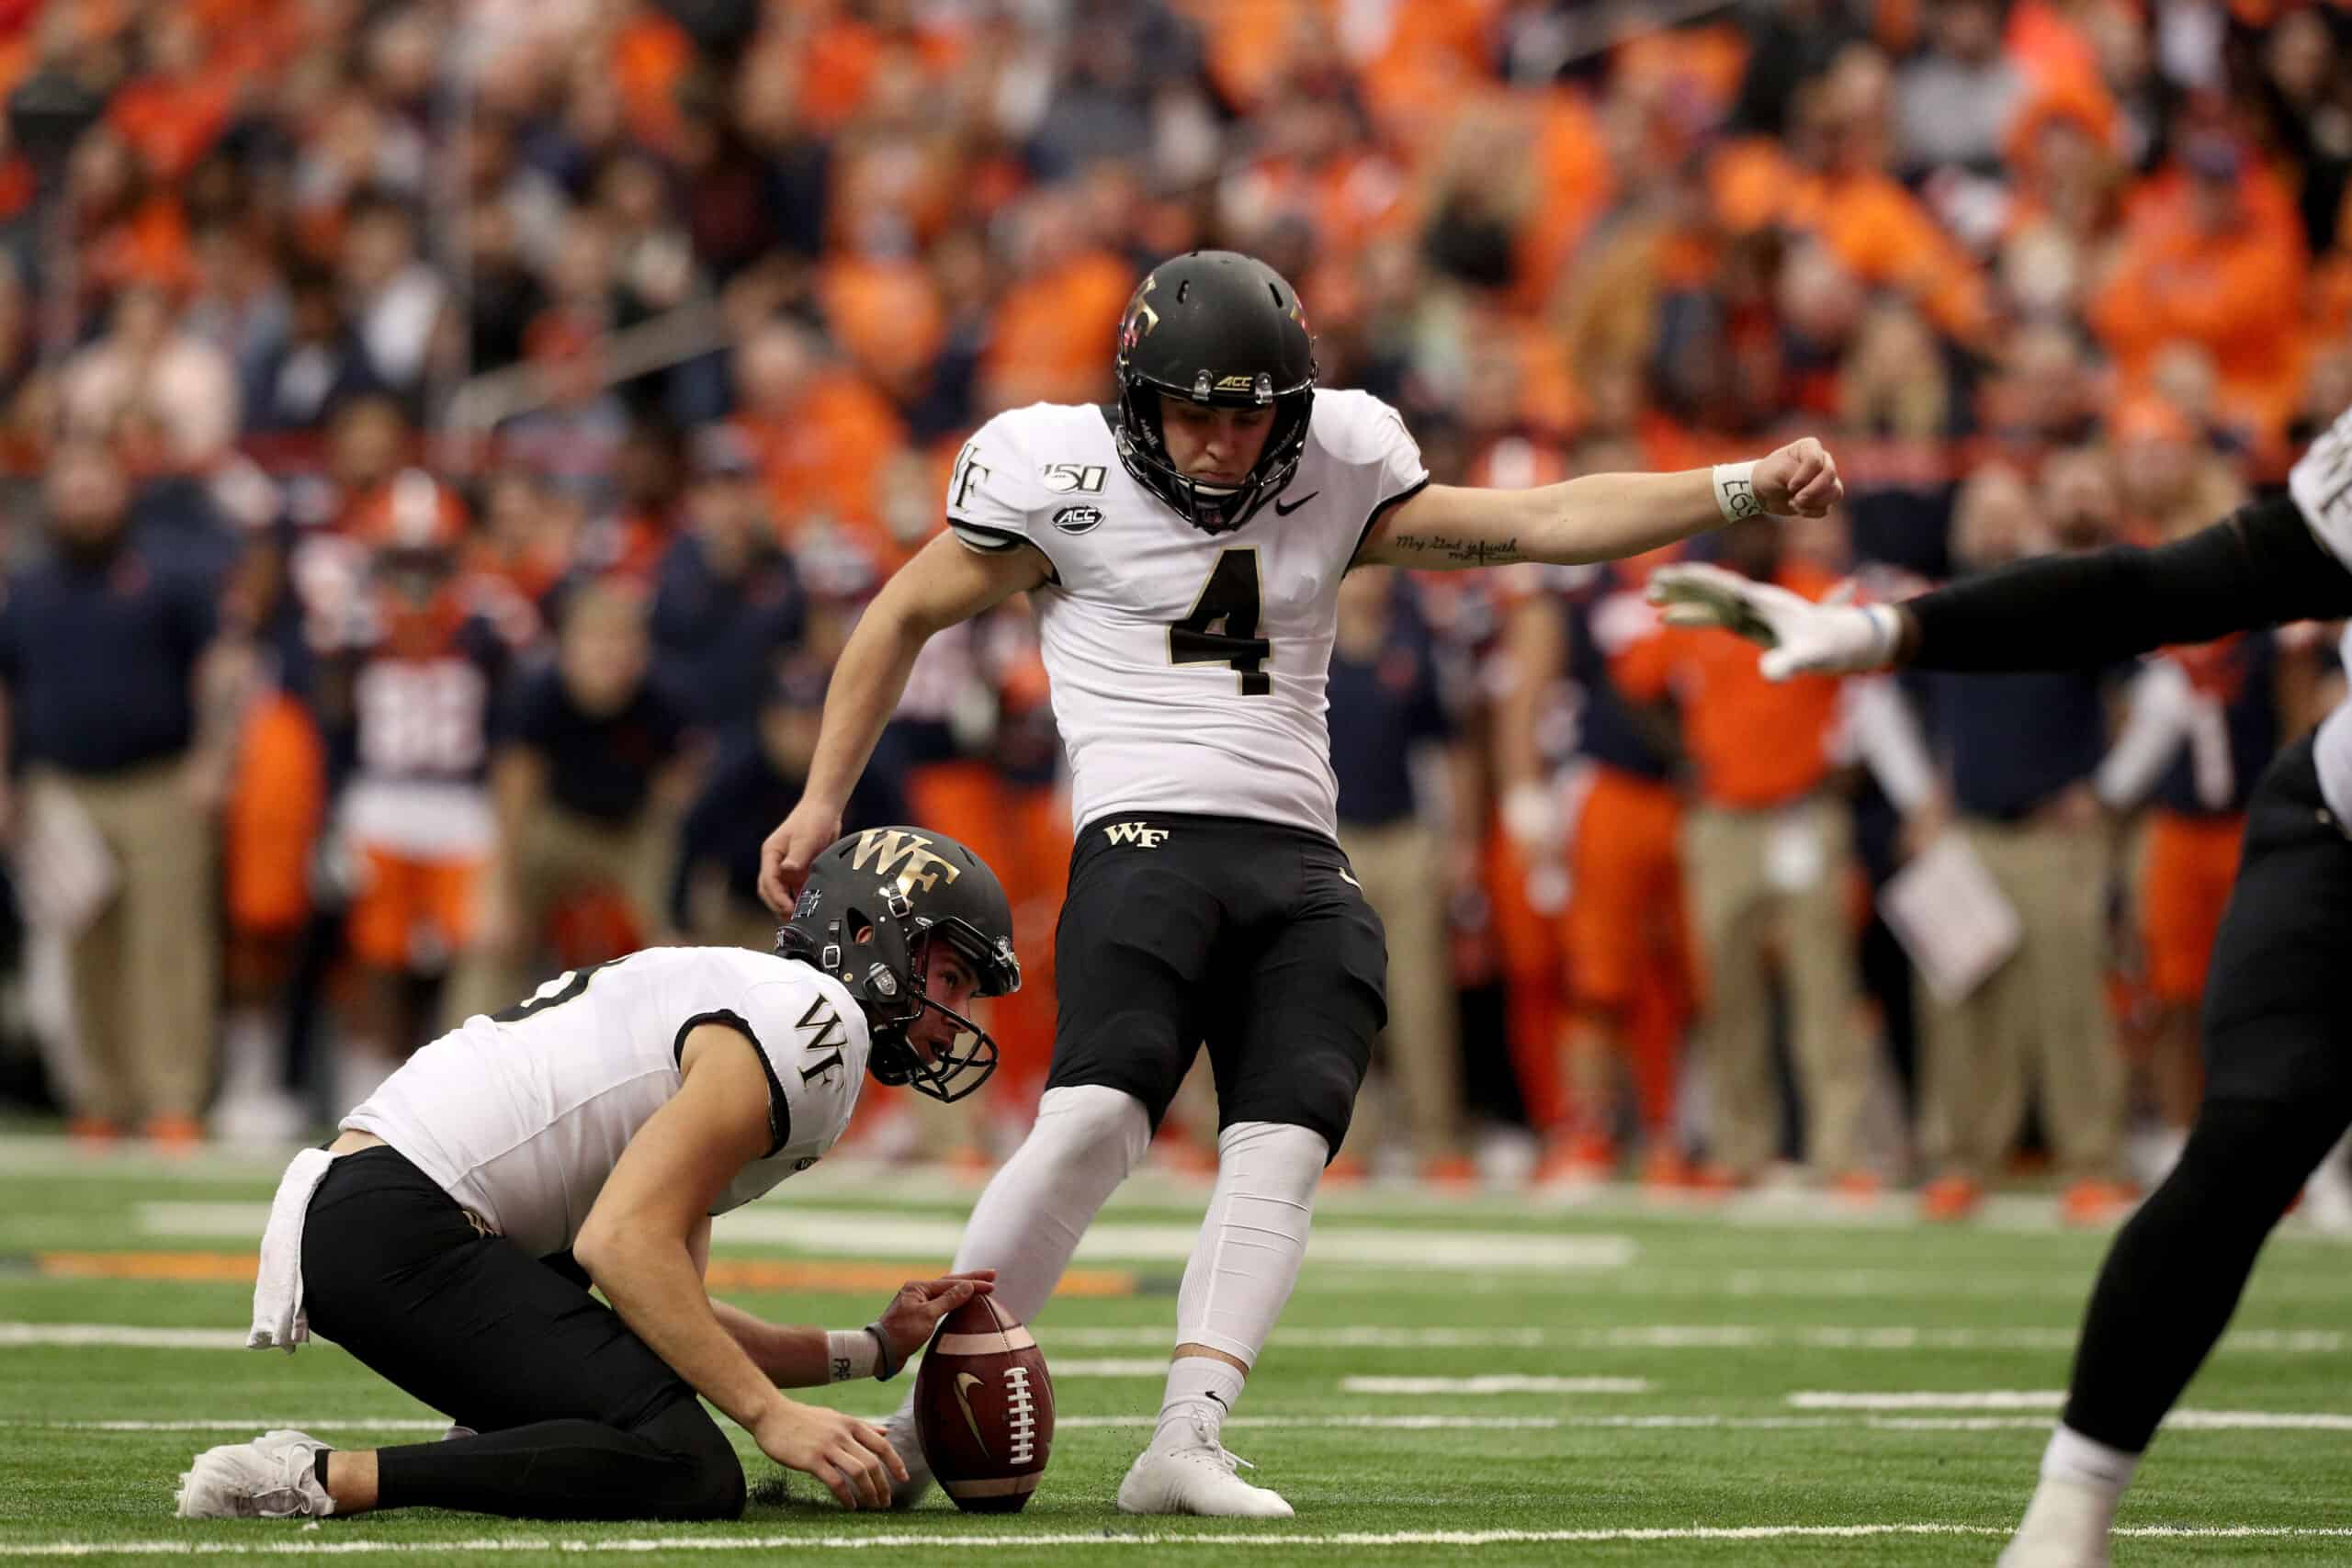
x=984, y=1409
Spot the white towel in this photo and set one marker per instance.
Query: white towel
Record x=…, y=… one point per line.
x=279, y=1322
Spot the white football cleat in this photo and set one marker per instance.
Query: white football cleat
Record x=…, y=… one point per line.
x=273, y=1477
x=2065, y=1526
x=900, y=1427
x=1188, y=1472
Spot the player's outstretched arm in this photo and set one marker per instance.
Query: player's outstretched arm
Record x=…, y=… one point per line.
x=638, y=1243
x=947, y=583
x=2259, y=567
x=796, y=1356
x=1599, y=517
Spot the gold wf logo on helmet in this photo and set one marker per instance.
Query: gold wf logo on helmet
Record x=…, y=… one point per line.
x=887, y=847
x=1141, y=317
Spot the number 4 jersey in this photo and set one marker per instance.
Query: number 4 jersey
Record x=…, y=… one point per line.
x=521, y=1117
x=1187, y=668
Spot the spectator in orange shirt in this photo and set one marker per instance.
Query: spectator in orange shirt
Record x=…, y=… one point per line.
x=1062, y=307
x=822, y=432
x=2220, y=272
x=171, y=115
x=1768, y=852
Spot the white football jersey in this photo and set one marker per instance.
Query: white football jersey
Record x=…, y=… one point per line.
x=521, y=1117
x=2321, y=484
x=1187, y=668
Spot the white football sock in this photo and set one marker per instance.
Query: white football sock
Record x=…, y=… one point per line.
x=1200, y=1388
x=1085, y=1141
x=2072, y=1457
x=1252, y=1243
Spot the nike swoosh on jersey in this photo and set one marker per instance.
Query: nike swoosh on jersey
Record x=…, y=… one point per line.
x=1351, y=881
x=1282, y=511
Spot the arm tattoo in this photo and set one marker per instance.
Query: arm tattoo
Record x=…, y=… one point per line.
x=1441, y=548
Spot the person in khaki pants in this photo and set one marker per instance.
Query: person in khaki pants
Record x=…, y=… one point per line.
x=590, y=779
x=2022, y=750
x=1766, y=854
x=123, y=699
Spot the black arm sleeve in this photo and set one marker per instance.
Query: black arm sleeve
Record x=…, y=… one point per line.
x=2259, y=566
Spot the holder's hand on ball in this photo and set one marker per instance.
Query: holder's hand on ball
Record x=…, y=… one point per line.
x=907, y=1323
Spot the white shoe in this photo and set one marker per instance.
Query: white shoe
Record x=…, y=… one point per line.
x=273, y=1477
x=260, y=1116
x=2065, y=1526
x=1187, y=1470
x=900, y=1427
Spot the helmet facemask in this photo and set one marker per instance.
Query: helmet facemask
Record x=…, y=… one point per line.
x=883, y=964
x=1214, y=329
x=1212, y=509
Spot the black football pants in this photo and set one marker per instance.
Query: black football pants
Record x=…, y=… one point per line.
x=577, y=1418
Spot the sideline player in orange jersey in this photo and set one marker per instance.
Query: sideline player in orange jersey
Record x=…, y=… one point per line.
x=407, y=673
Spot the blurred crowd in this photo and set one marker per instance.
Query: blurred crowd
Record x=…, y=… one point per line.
x=448, y=440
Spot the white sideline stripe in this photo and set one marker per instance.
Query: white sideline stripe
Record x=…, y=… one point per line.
x=2185, y=1420
x=120, y=1335
x=1984, y=1399
x=1496, y=1384
x=1638, y=1337
x=857, y=1233
x=856, y=1542
x=1131, y=1367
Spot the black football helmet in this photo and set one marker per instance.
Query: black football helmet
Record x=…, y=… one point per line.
x=868, y=900
x=1224, y=331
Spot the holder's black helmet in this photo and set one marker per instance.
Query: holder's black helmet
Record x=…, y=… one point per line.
x=1224, y=331
x=868, y=900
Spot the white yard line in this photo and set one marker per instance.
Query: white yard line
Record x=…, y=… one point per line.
x=853, y=1540
x=1981, y=1399
x=856, y=1232
x=1496, y=1384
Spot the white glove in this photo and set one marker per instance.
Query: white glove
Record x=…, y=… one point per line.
x=1801, y=638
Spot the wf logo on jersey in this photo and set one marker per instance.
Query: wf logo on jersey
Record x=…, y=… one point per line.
x=822, y=1037
x=1141, y=835
x=891, y=847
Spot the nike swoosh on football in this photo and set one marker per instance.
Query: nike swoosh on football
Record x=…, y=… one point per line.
x=965, y=1383
x=1282, y=511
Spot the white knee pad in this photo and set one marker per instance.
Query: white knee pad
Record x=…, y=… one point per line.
x=1253, y=1240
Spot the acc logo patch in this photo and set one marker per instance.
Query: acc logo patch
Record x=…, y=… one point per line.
x=1078, y=519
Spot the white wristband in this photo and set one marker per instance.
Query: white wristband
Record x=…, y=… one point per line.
x=1736, y=495
x=850, y=1354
